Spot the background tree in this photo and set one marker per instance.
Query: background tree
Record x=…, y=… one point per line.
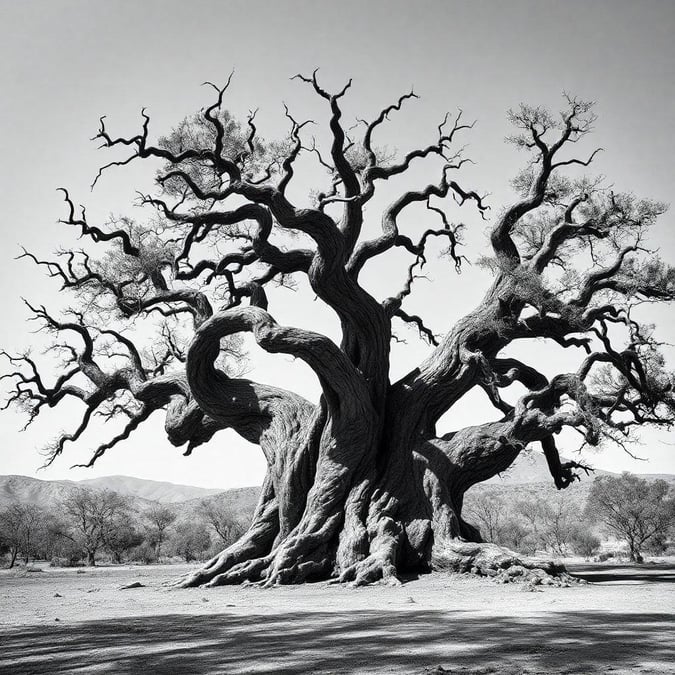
x=584, y=542
x=635, y=510
x=658, y=544
x=146, y=553
x=559, y=524
x=488, y=512
x=92, y=517
x=360, y=484
x=121, y=537
x=515, y=536
x=191, y=540
x=57, y=548
x=20, y=529
x=160, y=517
x=220, y=518
x=530, y=522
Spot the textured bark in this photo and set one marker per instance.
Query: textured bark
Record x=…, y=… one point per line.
x=346, y=496
x=500, y=564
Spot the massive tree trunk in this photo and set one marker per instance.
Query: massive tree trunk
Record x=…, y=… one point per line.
x=358, y=488
x=371, y=519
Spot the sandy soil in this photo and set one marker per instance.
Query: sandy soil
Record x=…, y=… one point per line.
x=60, y=621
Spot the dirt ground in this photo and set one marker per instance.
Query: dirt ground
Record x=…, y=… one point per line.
x=62, y=621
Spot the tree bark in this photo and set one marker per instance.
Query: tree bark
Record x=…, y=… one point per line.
x=370, y=516
x=376, y=521
x=358, y=488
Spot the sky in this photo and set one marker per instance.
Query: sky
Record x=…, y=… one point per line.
x=64, y=64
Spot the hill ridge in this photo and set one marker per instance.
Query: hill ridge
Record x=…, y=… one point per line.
x=529, y=470
x=142, y=492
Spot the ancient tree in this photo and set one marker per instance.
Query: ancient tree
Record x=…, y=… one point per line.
x=359, y=486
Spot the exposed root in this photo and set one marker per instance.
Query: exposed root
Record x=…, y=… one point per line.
x=306, y=553
x=370, y=570
x=270, y=571
x=215, y=567
x=298, y=572
x=303, y=555
x=297, y=558
x=251, y=547
x=255, y=543
x=247, y=571
x=380, y=564
x=500, y=564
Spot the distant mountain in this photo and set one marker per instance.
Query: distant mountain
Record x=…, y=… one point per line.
x=529, y=473
x=143, y=493
x=157, y=491
x=240, y=502
x=531, y=467
x=668, y=477
x=26, y=490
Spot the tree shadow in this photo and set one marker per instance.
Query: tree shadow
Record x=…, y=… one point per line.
x=330, y=642
x=645, y=573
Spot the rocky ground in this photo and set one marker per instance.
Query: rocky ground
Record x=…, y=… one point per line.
x=65, y=620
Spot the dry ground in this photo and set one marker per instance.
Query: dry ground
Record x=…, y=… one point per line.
x=59, y=621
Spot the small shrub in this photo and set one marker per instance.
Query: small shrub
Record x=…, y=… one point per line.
x=144, y=553
x=658, y=544
x=58, y=562
x=584, y=543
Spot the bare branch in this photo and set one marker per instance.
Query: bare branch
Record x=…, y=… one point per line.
x=417, y=321
x=96, y=233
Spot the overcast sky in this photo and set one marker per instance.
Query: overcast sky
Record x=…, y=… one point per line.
x=63, y=64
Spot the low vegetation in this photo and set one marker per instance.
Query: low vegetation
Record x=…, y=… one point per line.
x=641, y=513
x=618, y=515
x=103, y=526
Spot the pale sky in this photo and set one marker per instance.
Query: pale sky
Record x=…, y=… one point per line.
x=63, y=64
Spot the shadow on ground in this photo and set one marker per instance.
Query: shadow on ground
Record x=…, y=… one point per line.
x=356, y=642
x=645, y=573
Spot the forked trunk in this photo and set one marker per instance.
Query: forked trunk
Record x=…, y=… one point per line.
x=358, y=488
x=366, y=517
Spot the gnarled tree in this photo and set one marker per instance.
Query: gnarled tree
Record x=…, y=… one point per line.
x=359, y=486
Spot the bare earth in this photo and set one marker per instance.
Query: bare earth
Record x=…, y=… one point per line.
x=621, y=623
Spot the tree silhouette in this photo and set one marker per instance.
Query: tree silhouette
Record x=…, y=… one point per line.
x=359, y=484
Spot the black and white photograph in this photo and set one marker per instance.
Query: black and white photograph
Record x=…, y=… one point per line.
x=337, y=337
